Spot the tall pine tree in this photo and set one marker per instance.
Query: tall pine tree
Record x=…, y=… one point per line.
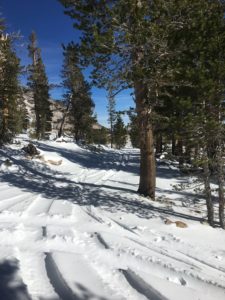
x=119, y=132
x=10, y=91
x=115, y=41
x=38, y=82
x=77, y=94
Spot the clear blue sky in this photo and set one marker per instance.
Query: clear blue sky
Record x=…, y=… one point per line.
x=53, y=28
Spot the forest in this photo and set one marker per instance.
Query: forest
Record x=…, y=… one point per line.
x=165, y=166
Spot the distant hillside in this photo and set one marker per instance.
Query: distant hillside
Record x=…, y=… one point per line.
x=58, y=109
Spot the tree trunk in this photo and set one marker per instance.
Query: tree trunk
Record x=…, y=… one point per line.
x=147, y=161
x=208, y=193
x=38, y=126
x=159, y=143
x=60, y=132
x=220, y=179
x=188, y=154
x=111, y=134
x=180, y=152
x=173, y=150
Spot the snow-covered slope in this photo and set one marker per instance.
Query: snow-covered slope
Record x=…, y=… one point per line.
x=78, y=230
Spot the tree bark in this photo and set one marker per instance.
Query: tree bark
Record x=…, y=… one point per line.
x=220, y=179
x=147, y=160
x=173, y=141
x=159, y=143
x=180, y=152
x=208, y=192
x=60, y=132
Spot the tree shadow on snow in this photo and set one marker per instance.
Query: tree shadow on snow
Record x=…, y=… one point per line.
x=104, y=160
x=38, y=178
x=10, y=287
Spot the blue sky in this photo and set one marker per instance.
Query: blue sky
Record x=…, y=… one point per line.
x=53, y=28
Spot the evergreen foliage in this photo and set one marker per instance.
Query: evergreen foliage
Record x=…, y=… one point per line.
x=120, y=133
x=77, y=94
x=133, y=128
x=99, y=136
x=10, y=96
x=38, y=82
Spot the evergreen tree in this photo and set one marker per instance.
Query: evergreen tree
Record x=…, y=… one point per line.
x=9, y=88
x=78, y=94
x=133, y=128
x=112, y=113
x=99, y=136
x=120, y=133
x=195, y=84
x=115, y=40
x=38, y=83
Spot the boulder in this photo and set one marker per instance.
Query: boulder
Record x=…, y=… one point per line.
x=181, y=224
x=31, y=150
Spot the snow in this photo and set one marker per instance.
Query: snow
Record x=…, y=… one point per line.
x=78, y=230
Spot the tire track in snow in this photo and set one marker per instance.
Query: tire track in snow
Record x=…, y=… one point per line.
x=102, y=241
x=204, y=263
x=164, y=252
x=6, y=204
x=141, y=286
x=55, y=277
x=57, y=281
x=192, y=274
x=22, y=206
x=40, y=206
x=33, y=273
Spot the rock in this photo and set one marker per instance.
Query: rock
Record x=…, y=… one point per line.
x=8, y=163
x=50, y=161
x=204, y=222
x=180, y=224
x=31, y=150
x=54, y=162
x=168, y=222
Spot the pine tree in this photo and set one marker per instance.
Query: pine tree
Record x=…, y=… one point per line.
x=195, y=71
x=114, y=39
x=112, y=113
x=120, y=133
x=77, y=95
x=133, y=128
x=38, y=83
x=9, y=88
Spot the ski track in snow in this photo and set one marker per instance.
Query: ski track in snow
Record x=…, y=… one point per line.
x=79, y=250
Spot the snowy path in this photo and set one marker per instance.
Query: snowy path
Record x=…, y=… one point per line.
x=79, y=231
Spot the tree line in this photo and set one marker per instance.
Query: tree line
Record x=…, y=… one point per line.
x=78, y=104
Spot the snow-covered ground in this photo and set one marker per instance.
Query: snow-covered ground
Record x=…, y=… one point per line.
x=78, y=230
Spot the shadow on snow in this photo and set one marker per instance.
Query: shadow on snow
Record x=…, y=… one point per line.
x=38, y=178
x=11, y=288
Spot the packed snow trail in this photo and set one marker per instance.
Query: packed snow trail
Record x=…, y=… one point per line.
x=79, y=231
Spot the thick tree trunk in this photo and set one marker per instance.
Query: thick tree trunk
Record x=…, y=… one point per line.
x=208, y=192
x=147, y=161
